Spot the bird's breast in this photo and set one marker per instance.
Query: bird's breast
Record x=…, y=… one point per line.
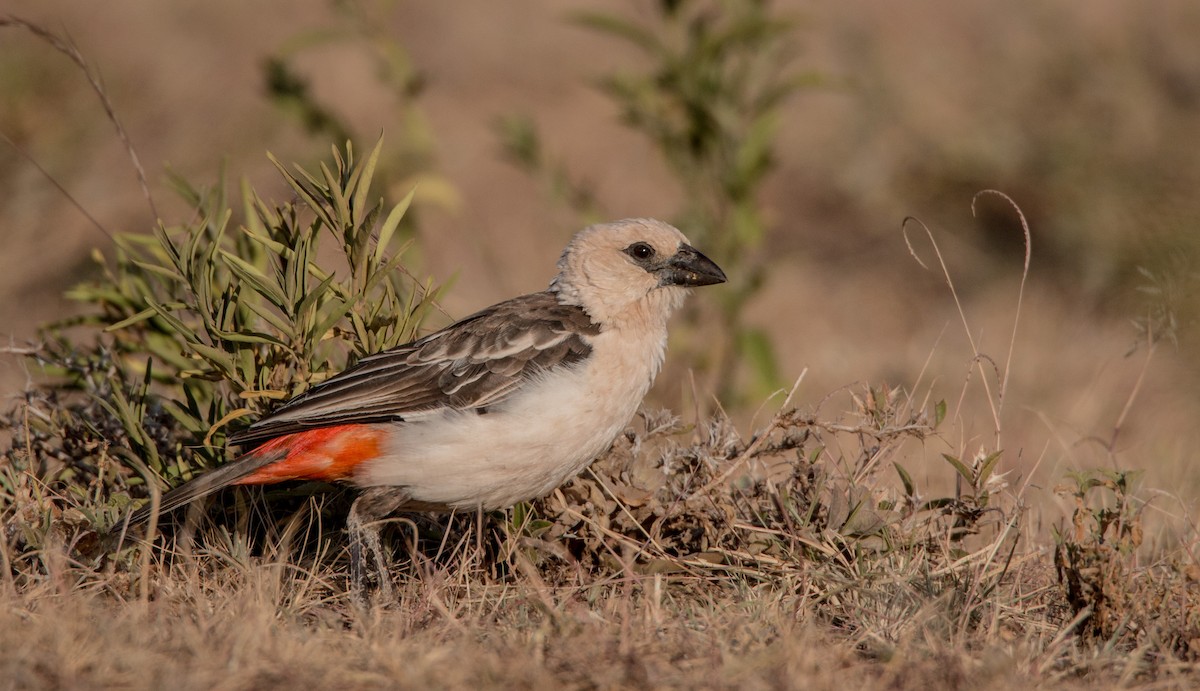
x=544, y=434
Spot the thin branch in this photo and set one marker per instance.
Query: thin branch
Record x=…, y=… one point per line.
x=69, y=49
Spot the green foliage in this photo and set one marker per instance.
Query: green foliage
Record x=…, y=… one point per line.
x=200, y=324
x=709, y=101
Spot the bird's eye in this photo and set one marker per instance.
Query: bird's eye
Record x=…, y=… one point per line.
x=640, y=251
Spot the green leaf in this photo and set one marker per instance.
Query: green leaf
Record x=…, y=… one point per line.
x=391, y=223
x=386, y=270
x=220, y=359
x=130, y=321
x=271, y=245
x=159, y=270
x=330, y=314
x=167, y=246
x=251, y=204
x=520, y=512
x=988, y=465
x=939, y=412
x=537, y=527
x=910, y=489
x=961, y=468
x=246, y=365
x=174, y=322
x=302, y=190
x=190, y=422
x=252, y=276
x=341, y=206
x=363, y=176
x=269, y=316
x=360, y=328
x=202, y=247
x=251, y=337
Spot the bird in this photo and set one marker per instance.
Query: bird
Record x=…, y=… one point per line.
x=500, y=407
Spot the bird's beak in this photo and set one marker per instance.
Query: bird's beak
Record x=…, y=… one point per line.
x=689, y=268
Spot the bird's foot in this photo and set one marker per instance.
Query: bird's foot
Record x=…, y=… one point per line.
x=362, y=523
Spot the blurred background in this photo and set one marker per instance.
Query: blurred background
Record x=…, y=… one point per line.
x=787, y=139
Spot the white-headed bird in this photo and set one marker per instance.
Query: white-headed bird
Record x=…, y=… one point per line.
x=498, y=408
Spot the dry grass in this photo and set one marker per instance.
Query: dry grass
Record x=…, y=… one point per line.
x=205, y=637
x=687, y=557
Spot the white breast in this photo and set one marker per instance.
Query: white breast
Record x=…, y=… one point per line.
x=522, y=449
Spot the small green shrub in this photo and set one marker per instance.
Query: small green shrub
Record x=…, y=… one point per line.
x=200, y=325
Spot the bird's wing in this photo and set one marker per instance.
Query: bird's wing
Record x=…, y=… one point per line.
x=471, y=364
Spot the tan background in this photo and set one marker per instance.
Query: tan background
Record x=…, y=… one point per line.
x=1086, y=113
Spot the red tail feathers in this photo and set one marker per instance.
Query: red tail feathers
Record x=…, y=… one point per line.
x=326, y=453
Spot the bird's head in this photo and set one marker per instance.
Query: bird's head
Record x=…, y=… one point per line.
x=633, y=269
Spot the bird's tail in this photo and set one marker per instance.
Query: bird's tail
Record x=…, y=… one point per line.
x=325, y=453
x=232, y=473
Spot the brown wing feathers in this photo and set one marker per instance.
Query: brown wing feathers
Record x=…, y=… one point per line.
x=475, y=362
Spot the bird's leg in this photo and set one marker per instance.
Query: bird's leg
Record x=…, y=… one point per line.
x=373, y=505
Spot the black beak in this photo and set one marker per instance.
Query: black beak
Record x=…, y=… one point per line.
x=689, y=268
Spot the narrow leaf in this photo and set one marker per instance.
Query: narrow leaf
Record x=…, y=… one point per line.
x=391, y=223
x=130, y=321
x=910, y=489
x=961, y=468
x=251, y=275
x=365, y=173
x=988, y=465
x=939, y=412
